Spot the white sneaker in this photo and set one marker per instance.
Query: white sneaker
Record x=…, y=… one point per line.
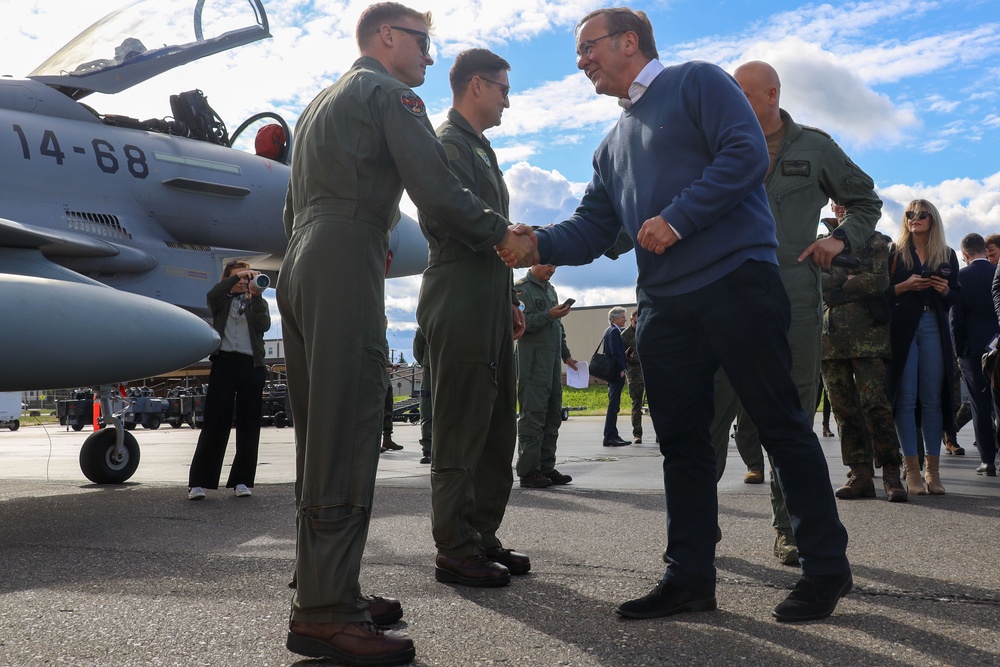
x=196, y=493
x=242, y=491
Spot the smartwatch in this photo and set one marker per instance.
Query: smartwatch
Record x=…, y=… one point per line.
x=841, y=236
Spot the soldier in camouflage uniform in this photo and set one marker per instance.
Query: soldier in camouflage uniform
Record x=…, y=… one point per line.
x=633, y=373
x=855, y=346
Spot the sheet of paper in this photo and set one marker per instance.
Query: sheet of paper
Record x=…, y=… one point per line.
x=580, y=378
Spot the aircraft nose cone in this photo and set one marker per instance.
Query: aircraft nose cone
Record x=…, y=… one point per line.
x=71, y=335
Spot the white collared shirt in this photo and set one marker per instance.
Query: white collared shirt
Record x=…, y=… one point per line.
x=641, y=83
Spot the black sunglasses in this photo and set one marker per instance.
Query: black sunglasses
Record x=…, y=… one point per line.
x=504, y=88
x=423, y=39
x=923, y=215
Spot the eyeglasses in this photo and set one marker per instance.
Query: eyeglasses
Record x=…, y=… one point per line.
x=923, y=215
x=504, y=88
x=586, y=47
x=423, y=39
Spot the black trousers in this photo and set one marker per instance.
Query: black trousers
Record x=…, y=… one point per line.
x=235, y=388
x=740, y=322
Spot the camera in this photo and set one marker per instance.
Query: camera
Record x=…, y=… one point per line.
x=261, y=281
x=943, y=271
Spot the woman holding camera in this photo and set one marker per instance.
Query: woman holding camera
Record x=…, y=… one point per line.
x=923, y=273
x=235, y=383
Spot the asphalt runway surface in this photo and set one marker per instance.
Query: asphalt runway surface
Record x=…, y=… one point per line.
x=138, y=575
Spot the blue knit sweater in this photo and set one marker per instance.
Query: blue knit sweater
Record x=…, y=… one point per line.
x=690, y=149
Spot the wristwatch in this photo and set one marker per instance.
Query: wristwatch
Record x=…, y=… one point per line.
x=841, y=236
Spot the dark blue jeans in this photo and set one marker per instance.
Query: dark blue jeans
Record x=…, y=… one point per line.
x=739, y=322
x=614, y=405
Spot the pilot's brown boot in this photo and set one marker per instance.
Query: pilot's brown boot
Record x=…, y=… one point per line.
x=388, y=444
x=350, y=643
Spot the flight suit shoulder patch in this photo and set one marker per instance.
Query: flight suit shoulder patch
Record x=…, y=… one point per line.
x=412, y=103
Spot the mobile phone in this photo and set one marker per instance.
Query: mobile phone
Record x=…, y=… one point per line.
x=569, y=302
x=927, y=274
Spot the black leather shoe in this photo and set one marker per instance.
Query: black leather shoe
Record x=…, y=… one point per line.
x=475, y=570
x=666, y=600
x=557, y=477
x=814, y=598
x=514, y=561
x=987, y=469
x=384, y=611
x=425, y=460
x=616, y=442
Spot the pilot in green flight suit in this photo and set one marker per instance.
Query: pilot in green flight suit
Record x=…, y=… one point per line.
x=358, y=144
x=465, y=312
x=539, y=378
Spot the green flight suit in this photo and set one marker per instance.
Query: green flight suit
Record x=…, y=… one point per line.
x=357, y=145
x=464, y=310
x=810, y=169
x=539, y=354
x=855, y=349
x=426, y=407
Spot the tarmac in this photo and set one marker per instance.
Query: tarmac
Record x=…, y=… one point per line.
x=138, y=575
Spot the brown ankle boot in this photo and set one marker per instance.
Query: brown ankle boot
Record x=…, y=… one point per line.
x=914, y=482
x=859, y=483
x=894, y=491
x=934, y=485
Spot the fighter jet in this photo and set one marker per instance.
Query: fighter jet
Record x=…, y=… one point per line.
x=112, y=229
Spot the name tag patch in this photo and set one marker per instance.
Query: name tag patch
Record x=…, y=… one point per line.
x=795, y=168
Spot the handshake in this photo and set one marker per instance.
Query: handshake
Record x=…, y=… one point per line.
x=519, y=247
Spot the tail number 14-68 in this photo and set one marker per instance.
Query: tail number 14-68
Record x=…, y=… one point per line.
x=104, y=153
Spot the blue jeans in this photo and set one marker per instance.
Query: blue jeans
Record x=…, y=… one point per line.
x=739, y=322
x=922, y=379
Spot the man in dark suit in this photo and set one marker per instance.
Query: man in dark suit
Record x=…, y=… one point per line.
x=614, y=348
x=973, y=327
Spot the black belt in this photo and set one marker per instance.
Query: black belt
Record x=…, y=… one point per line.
x=233, y=355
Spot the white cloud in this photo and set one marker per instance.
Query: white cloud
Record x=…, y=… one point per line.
x=966, y=205
x=546, y=107
x=540, y=197
x=509, y=154
x=938, y=103
x=818, y=89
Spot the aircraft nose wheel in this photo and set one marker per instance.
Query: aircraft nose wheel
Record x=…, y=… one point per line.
x=99, y=462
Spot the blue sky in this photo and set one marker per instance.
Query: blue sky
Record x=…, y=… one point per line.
x=909, y=88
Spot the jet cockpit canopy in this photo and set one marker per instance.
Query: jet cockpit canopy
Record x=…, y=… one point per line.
x=147, y=38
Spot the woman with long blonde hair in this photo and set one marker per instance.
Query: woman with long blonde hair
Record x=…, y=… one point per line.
x=924, y=285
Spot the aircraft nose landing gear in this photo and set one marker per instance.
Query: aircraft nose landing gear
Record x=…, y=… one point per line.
x=111, y=455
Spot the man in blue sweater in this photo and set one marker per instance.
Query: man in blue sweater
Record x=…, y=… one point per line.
x=682, y=172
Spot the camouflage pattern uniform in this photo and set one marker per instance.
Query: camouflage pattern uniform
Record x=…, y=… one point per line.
x=633, y=374
x=855, y=347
